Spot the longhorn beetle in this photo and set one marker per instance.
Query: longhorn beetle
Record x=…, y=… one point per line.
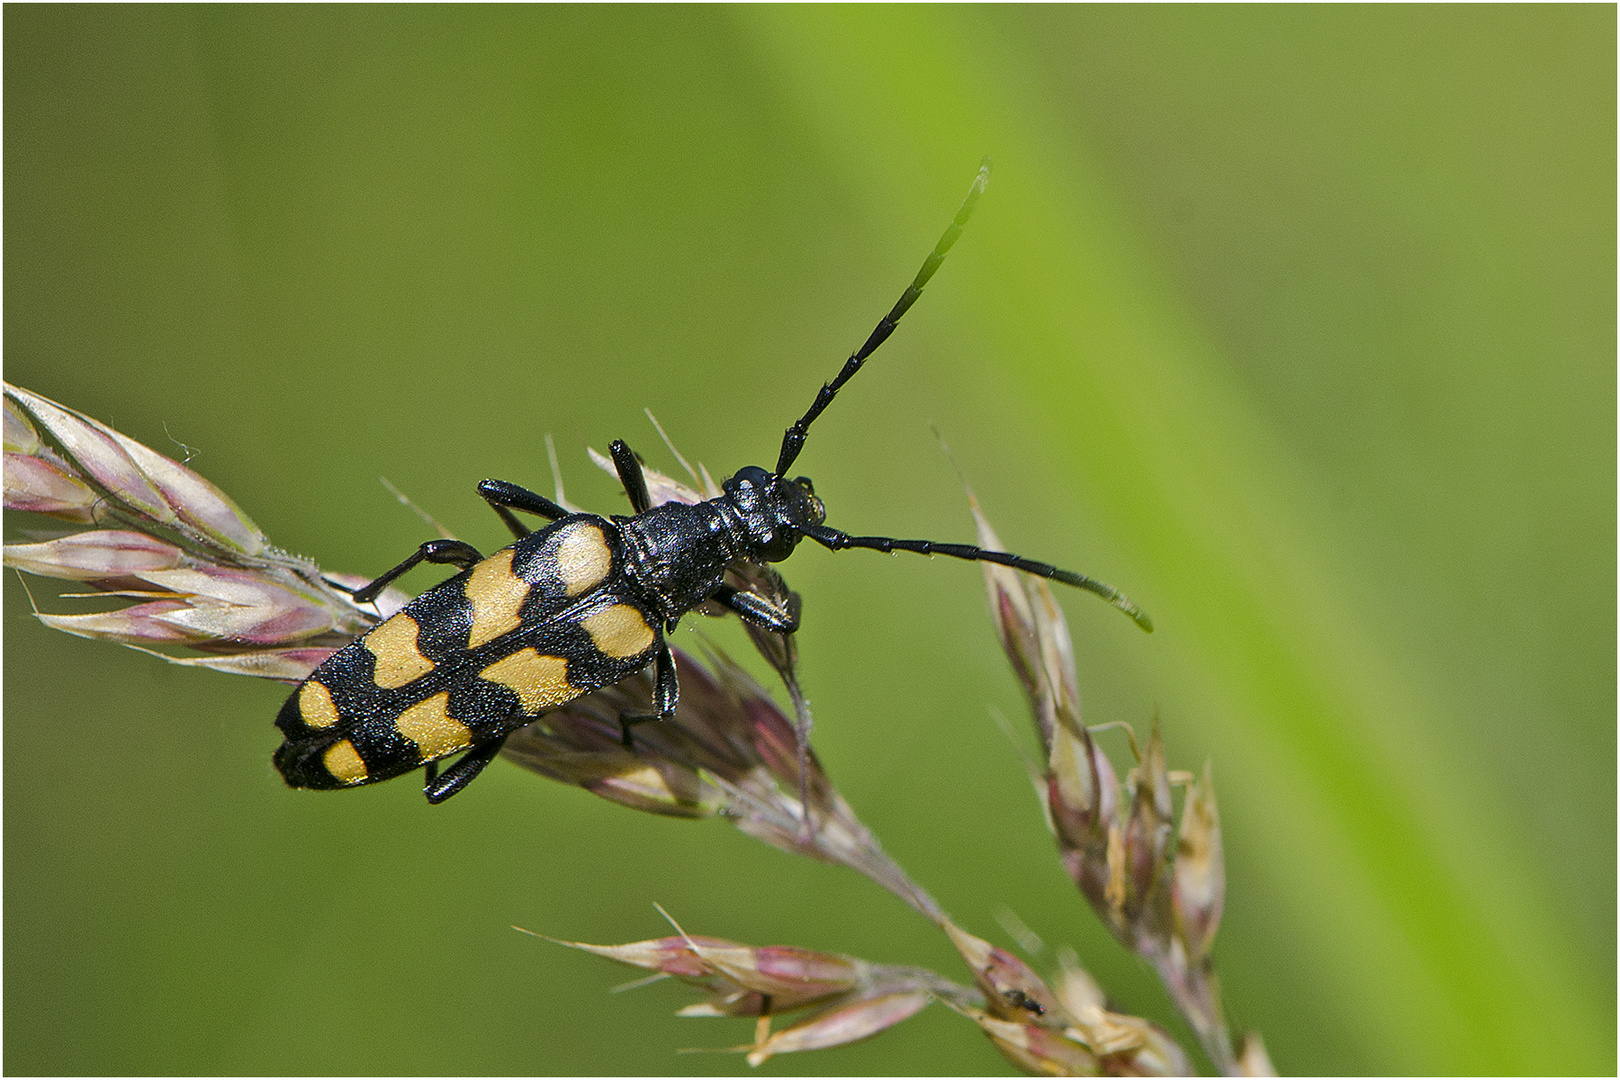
x=578, y=605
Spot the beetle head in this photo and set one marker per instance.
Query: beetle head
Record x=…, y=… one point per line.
x=773, y=510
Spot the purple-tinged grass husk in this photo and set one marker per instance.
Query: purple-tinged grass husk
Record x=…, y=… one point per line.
x=1199, y=890
x=729, y=751
x=849, y=999
x=842, y=1021
x=133, y=479
x=1059, y=1027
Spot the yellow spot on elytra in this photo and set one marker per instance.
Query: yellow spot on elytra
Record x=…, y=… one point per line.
x=399, y=660
x=315, y=706
x=342, y=760
x=496, y=594
x=540, y=682
x=430, y=726
x=583, y=558
x=619, y=631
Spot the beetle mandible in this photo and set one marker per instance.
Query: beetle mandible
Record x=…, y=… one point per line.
x=578, y=605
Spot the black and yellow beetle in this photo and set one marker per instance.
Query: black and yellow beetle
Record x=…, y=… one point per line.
x=576, y=606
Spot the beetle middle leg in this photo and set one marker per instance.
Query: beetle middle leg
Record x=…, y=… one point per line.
x=666, y=694
x=628, y=467
x=504, y=497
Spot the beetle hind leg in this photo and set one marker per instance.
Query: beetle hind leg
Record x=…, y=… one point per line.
x=440, y=786
x=450, y=552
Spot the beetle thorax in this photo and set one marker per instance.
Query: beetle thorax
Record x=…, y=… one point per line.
x=678, y=552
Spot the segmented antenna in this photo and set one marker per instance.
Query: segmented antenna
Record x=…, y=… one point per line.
x=793, y=440
x=835, y=540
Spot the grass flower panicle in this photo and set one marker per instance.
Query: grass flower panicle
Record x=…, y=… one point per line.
x=202, y=577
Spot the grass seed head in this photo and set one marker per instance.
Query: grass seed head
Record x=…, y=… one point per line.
x=206, y=578
x=849, y=998
x=135, y=481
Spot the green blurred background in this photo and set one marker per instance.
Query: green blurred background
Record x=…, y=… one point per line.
x=1297, y=324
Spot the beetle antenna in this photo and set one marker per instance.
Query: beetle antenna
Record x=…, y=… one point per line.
x=793, y=441
x=837, y=541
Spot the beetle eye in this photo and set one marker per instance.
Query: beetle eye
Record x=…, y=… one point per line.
x=804, y=482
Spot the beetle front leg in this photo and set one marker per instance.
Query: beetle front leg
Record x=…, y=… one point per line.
x=756, y=609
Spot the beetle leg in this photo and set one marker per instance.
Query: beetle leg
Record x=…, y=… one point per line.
x=666, y=686
x=504, y=497
x=440, y=786
x=629, y=469
x=758, y=610
x=666, y=693
x=453, y=552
